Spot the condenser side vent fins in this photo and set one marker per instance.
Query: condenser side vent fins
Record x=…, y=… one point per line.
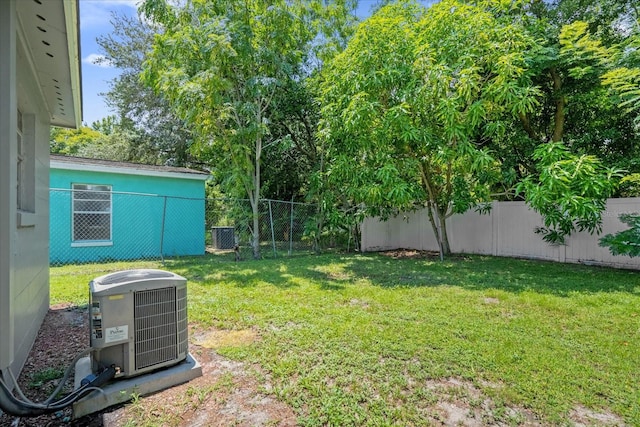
x=156, y=333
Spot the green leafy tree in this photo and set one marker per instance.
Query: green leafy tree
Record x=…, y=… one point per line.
x=117, y=146
x=105, y=139
x=155, y=134
x=71, y=141
x=626, y=242
x=220, y=64
x=624, y=79
x=570, y=192
x=406, y=103
x=288, y=164
x=560, y=148
x=626, y=83
x=576, y=43
x=106, y=125
x=630, y=185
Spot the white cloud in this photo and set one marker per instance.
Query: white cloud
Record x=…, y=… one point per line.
x=97, y=60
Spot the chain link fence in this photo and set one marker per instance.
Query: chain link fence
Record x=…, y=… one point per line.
x=94, y=224
x=282, y=227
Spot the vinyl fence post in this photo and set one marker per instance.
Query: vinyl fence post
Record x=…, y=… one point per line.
x=273, y=237
x=164, y=215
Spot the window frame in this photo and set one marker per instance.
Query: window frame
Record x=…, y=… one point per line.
x=25, y=163
x=25, y=170
x=21, y=162
x=92, y=188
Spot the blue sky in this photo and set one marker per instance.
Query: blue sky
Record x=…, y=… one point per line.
x=95, y=16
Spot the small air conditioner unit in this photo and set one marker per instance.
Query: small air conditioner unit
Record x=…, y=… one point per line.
x=138, y=321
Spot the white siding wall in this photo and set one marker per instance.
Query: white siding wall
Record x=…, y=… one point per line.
x=24, y=236
x=507, y=231
x=8, y=104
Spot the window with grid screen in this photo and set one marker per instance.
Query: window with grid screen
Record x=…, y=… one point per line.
x=21, y=164
x=26, y=165
x=91, y=212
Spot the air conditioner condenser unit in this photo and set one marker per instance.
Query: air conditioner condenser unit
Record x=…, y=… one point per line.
x=138, y=321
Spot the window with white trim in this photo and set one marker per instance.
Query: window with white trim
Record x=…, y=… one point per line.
x=21, y=164
x=26, y=163
x=91, y=212
x=26, y=169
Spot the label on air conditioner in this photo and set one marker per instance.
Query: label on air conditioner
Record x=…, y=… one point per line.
x=96, y=320
x=117, y=333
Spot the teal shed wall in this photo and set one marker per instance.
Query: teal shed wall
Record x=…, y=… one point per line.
x=152, y=216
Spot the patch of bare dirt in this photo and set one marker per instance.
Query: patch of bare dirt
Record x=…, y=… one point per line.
x=411, y=253
x=461, y=403
x=585, y=417
x=227, y=394
x=416, y=254
x=224, y=338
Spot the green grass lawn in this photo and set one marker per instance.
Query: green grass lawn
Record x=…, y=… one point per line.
x=359, y=339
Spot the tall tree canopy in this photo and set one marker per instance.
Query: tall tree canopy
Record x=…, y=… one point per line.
x=221, y=64
x=105, y=139
x=406, y=103
x=153, y=131
x=577, y=43
x=570, y=150
x=441, y=107
x=70, y=142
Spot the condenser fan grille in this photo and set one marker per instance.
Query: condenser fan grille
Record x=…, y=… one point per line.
x=160, y=317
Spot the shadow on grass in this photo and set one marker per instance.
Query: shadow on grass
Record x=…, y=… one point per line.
x=334, y=272
x=212, y=269
x=507, y=274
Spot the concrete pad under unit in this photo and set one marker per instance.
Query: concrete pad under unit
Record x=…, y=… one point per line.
x=120, y=390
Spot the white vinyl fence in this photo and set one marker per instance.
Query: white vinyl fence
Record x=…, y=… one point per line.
x=509, y=230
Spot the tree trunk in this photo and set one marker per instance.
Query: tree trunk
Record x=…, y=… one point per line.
x=320, y=211
x=319, y=225
x=255, y=205
x=526, y=124
x=444, y=237
x=436, y=218
x=255, y=236
x=439, y=228
x=560, y=101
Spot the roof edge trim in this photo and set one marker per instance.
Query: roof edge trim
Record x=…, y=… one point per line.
x=54, y=164
x=72, y=24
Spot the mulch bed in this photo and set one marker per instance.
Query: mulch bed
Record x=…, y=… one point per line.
x=63, y=335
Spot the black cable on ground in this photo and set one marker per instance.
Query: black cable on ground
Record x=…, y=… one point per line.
x=13, y=406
